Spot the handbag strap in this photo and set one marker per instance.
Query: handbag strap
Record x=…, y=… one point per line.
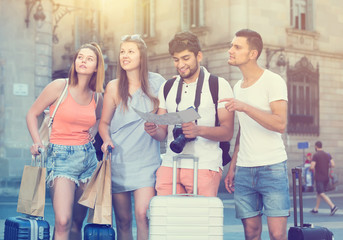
x=58, y=103
x=96, y=98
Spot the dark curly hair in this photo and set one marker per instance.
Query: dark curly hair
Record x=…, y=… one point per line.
x=184, y=41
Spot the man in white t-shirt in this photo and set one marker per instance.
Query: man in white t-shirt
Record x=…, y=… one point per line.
x=203, y=135
x=258, y=170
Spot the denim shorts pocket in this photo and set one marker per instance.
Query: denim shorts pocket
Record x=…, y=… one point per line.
x=59, y=154
x=55, y=155
x=277, y=169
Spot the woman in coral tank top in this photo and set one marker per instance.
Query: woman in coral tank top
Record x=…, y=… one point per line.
x=71, y=157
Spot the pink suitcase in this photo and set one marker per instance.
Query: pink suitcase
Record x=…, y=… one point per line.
x=183, y=217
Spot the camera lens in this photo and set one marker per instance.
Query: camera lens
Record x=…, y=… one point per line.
x=178, y=144
x=179, y=140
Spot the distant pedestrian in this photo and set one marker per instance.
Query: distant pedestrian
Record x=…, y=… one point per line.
x=332, y=176
x=308, y=174
x=321, y=163
x=308, y=158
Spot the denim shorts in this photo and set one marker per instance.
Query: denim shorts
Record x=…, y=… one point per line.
x=321, y=186
x=262, y=190
x=76, y=163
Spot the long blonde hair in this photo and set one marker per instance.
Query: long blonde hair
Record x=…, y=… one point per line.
x=96, y=83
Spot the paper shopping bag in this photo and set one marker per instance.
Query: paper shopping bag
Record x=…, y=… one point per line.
x=102, y=212
x=31, y=198
x=89, y=194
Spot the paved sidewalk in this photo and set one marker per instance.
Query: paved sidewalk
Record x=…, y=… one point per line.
x=233, y=229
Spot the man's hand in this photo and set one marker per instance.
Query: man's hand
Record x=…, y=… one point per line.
x=233, y=104
x=190, y=130
x=229, y=181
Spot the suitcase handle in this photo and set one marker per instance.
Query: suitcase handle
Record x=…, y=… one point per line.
x=294, y=172
x=195, y=173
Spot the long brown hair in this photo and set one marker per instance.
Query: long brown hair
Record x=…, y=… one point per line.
x=96, y=83
x=123, y=88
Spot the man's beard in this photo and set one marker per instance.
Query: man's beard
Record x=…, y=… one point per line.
x=191, y=72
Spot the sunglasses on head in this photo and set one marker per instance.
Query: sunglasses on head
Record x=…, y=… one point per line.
x=133, y=37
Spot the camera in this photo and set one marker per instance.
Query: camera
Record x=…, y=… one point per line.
x=179, y=139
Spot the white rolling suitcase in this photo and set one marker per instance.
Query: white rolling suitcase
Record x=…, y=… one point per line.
x=185, y=216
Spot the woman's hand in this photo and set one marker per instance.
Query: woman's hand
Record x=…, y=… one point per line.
x=105, y=146
x=150, y=128
x=36, y=148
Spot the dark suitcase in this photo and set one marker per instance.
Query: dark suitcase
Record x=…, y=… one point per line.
x=98, y=232
x=26, y=228
x=304, y=231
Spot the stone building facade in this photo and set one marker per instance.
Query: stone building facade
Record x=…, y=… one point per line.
x=301, y=43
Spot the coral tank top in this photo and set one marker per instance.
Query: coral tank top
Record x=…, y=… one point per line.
x=72, y=122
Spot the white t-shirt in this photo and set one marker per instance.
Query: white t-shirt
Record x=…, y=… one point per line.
x=259, y=146
x=208, y=151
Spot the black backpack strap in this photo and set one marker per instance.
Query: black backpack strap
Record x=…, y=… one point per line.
x=178, y=94
x=214, y=89
x=170, y=83
x=213, y=81
x=167, y=87
x=198, y=90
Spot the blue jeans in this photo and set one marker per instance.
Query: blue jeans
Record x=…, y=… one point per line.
x=76, y=163
x=262, y=188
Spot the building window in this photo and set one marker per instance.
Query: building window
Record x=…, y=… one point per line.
x=303, y=98
x=192, y=14
x=145, y=18
x=302, y=14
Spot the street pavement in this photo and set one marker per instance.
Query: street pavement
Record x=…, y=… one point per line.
x=233, y=229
